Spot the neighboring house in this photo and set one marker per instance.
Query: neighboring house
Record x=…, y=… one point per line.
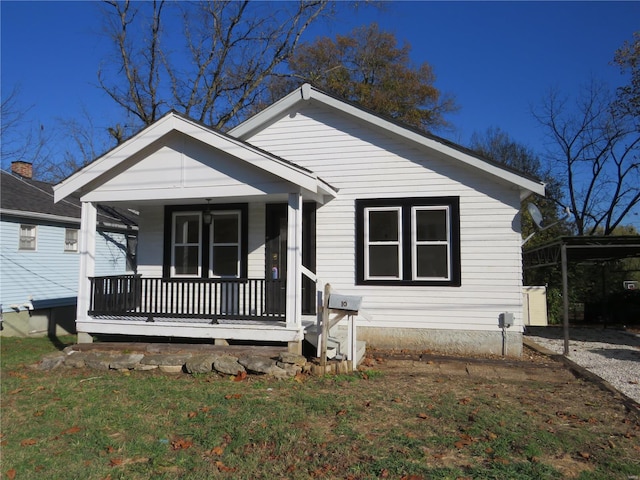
x=39, y=254
x=239, y=231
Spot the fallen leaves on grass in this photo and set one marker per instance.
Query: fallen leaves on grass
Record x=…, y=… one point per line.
x=234, y=396
x=181, y=444
x=18, y=375
x=16, y=391
x=27, y=442
x=119, y=462
x=70, y=431
x=240, y=376
x=464, y=441
x=423, y=416
x=11, y=474
x=223, y=468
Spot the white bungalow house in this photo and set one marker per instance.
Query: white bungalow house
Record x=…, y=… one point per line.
x=239, y=231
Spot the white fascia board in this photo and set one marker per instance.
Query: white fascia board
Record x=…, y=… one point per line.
x=113, y=158
x=307, y=92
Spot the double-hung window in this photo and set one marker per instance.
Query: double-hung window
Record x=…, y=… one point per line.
x=71, y=240
x=186, y=242
x=225, y=244
x=408, y=241
x=206, y=241
x=27, y=237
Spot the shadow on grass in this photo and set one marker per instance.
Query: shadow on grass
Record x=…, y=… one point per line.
x=61, y=343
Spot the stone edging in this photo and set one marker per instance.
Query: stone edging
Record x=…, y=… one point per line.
x=285, y=365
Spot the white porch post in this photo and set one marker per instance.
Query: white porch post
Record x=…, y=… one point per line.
x=87, y=250
x=294, y=260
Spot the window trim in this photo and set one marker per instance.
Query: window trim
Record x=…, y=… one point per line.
x=238, y=245
x=174, y=244
x=407, y=205
x=75, y=249
x=33, y=237
x=415, y=243
x=368, y=243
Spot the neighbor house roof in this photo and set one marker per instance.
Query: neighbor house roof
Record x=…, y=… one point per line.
x=309, y=93
x=33, y=199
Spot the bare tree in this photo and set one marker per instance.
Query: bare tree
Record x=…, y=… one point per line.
x=20, y=139
x=595, y=153
x=229, y=49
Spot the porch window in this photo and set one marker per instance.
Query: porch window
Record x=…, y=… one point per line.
x=70, y=240
x=408, y=241
x=27, y=237
x=225, y=244
x=186, y=245
x=213, y=249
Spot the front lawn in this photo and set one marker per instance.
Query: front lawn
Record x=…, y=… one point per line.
x=385, y=423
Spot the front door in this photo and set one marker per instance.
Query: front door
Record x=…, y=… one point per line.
x=276, y=255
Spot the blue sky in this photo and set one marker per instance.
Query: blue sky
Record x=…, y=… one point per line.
x=497, y=58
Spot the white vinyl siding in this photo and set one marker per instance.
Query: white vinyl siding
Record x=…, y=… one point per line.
x=365, y=162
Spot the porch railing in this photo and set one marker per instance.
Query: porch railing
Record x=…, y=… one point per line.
x=207, y=298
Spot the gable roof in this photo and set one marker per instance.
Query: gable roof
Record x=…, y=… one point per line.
x=175, y=122
x=309, y=93
x=33, y=199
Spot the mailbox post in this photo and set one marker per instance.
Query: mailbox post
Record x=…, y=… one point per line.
x=341, y=305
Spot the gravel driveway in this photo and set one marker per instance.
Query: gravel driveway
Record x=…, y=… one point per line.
x=613, y=355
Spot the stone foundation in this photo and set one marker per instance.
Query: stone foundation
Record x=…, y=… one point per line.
x=458, y=342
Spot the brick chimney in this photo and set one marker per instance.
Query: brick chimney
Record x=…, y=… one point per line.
x=24, y=169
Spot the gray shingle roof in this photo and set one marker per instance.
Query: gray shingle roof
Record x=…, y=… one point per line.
x=18, y=194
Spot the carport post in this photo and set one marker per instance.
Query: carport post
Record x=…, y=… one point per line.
x=565, y=297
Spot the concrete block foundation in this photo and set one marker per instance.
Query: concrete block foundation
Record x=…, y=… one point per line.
x=459, y=342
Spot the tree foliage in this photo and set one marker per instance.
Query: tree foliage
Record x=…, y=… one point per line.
x=229, y=49
x=627, y=58
x=368, y=67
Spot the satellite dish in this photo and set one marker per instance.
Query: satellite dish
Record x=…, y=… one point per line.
x=536, y=216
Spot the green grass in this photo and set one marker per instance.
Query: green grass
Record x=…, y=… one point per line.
x=84, y=424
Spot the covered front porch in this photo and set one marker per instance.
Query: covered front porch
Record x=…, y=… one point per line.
x=226, y=238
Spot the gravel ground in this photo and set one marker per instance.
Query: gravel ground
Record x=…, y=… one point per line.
x=613, y=355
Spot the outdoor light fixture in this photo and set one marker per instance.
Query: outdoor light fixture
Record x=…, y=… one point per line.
x=207, y=216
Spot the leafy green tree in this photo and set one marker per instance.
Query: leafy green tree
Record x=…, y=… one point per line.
x=368, y=67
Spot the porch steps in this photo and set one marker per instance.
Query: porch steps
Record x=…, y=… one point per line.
x=336, y=342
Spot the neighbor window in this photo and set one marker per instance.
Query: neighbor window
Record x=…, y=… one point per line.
x=408, y=241
x=27, y=237
x=70, y=240
x=186, y=247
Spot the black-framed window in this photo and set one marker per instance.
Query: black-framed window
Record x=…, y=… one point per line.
x=195, y=249
x=408, y=241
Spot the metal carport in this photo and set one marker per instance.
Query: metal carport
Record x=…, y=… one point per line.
x=565, y=250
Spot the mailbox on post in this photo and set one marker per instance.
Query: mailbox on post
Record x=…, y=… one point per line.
x=349, y=303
